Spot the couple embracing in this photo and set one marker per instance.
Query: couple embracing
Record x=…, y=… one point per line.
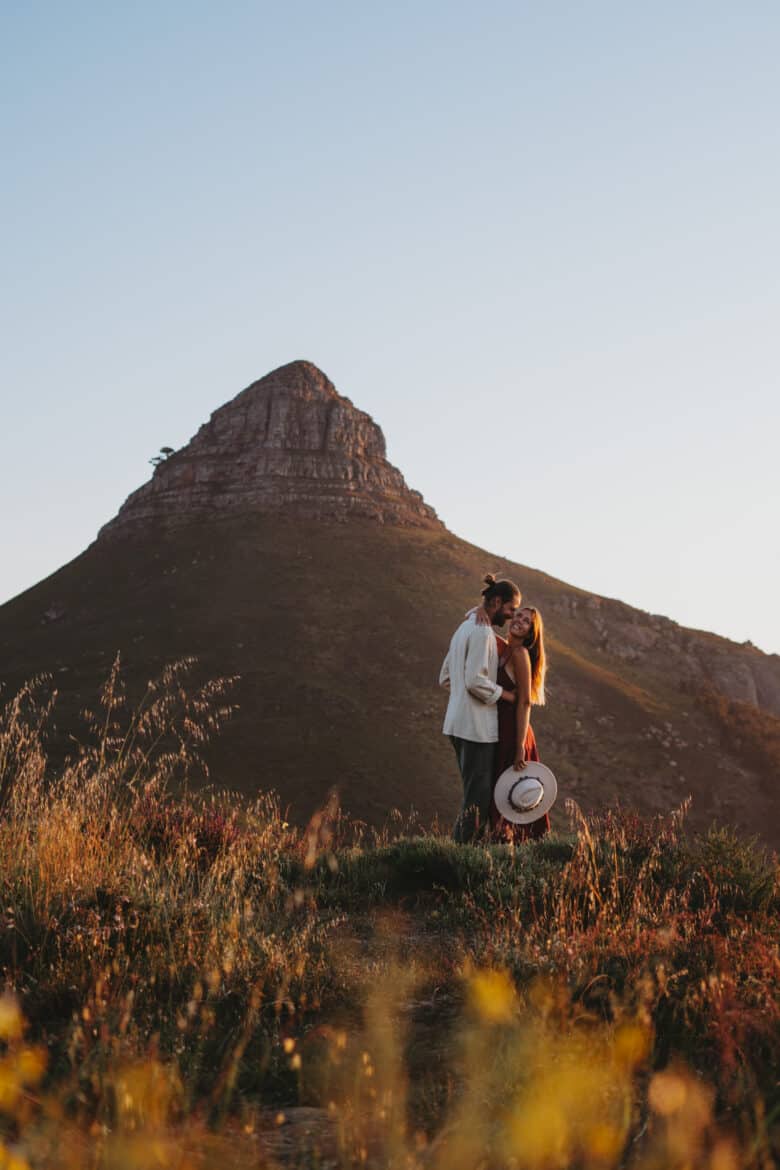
x=493, y=683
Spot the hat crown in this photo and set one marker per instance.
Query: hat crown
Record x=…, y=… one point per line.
x=526, y=794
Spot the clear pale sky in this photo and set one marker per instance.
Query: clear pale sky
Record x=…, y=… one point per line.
x=537, y=242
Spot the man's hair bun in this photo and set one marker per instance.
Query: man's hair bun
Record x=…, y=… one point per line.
x=506, y=590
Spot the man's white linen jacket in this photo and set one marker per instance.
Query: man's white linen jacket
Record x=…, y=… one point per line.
x=469, y=673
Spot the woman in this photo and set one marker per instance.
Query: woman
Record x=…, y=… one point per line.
x=522, y=668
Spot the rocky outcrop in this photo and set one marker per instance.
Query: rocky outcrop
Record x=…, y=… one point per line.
x=290, y=444
x=740, y=672
x=693, y=658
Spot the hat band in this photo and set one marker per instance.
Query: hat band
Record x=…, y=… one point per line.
x=530, y=802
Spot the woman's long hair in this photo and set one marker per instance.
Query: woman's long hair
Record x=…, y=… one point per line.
x=534, y=644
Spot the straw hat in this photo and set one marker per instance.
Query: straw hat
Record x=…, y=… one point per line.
x=522, y=797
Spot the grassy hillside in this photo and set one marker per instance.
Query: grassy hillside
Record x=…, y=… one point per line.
x=337, y=633
x=195, y=982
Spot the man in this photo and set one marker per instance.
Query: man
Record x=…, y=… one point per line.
x=469, y=673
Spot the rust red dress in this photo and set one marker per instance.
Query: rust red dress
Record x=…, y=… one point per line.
x=504, y=830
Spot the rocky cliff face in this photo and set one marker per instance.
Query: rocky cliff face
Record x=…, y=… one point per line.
x=643, y=642
x=290, y=444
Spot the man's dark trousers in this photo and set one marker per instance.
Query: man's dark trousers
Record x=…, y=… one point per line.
x=476, y=762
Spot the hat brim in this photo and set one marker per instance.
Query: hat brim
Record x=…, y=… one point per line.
x=510, y=777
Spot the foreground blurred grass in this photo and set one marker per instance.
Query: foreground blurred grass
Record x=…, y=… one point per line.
x=194, y=982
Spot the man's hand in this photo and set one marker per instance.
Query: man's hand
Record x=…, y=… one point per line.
x=509, y=696
x=479, y=614
x=520, y=762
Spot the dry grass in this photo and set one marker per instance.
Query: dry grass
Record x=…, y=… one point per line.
x=193, y=982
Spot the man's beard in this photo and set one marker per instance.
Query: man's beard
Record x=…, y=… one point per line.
x=498, y=619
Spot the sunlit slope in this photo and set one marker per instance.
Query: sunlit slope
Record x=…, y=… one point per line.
x=337, y=632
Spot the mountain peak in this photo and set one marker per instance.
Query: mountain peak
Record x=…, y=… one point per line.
x=300, y=378
x=287, y=443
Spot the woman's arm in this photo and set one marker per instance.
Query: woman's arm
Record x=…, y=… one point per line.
x=521, y=663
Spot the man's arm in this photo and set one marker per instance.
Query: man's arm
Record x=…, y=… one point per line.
x=444, y=673
x=478, y=680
